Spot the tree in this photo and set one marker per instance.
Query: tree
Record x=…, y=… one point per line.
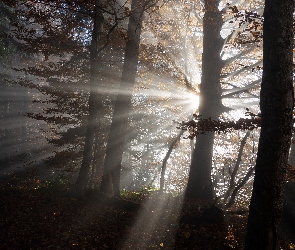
x=211, y=95
x=199, y=182
x=14, y=140
x=55, y=34
x=112, y=167
x=170, y=50
x=276, y=102
x=94, y=100
x=70, y=23
x=234, y=188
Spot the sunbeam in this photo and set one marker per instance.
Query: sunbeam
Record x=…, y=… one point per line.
x=156, y=224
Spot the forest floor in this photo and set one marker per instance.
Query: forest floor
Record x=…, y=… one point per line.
x=40, y=215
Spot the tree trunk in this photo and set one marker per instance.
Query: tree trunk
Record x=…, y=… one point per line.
x=112, y=167
x=93, y=100
x=232, y=184
x=292, y=153
x=199, y=183
x=240, y=184
x=276, y=101
x=164, y=164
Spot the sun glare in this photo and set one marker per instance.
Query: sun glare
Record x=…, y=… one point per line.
x=193, y=101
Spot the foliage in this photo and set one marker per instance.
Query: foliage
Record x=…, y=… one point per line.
x=200, y=126
x=62, y=70
x=7, y=44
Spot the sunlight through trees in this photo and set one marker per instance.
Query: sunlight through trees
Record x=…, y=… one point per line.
x=158, y=99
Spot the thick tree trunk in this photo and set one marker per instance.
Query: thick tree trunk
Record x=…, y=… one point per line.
x=199, y=183
x=112, y=167
x=276, y=111
x=93, y=100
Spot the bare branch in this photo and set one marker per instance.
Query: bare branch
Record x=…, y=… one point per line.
x=239, y=186
x=241, y=70
x=236, y=168
x=234, y=91
x=230, y=60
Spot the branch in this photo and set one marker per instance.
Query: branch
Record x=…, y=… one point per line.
x=199, y=125
x=175, y=140
x=231, y=92
x=149, y=4
x=114, y=13
x=236, y=168
x=108, y=37
x=241, y=70
x=238, y=187
x=230, y=60
x=64, y=8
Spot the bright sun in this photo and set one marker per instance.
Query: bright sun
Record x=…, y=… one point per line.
x=193, y=101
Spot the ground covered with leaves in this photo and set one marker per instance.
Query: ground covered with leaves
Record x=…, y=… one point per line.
x=41, y=215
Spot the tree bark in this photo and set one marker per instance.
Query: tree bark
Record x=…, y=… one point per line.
x=276, y=101
x=112, y=167
x=94, y=106
x=199, y=182
x=292, y=153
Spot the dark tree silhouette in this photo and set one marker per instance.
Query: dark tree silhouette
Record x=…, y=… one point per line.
x=111, y=175
x=276, y=101
x=199, y=183
x=94, y=106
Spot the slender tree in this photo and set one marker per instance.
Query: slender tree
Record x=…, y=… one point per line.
x=112, y=167
x=94, y=105
x=276, y=102
x=232, y=185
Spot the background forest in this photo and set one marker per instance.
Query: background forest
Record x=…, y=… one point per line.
x=134, y=124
